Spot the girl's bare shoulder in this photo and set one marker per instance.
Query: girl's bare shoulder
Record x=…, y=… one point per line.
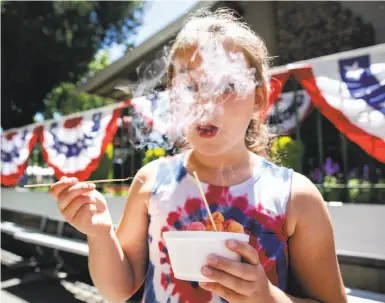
x=305, y=203
x=146, y=176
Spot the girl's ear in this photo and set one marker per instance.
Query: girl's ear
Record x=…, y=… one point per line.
x=261, y=98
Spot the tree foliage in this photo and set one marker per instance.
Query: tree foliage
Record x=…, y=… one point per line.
x=49, y=42
x=65, y=99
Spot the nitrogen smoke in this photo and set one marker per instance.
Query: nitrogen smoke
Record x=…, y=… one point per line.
x=195, y=97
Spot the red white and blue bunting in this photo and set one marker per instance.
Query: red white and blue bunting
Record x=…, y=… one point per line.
x=16, y=147
x=283, y=113
x=74, y=147
x=347, y=88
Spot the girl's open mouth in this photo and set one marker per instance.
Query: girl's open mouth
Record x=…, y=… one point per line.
x=207, y=131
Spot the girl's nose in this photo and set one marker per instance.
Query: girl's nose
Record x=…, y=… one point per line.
x=206, y=106
x=203, y=100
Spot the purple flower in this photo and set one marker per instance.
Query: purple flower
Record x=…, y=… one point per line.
x=365, y=172
x=331, y=168
x=317, y=175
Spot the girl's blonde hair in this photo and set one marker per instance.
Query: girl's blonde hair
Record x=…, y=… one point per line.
x=224, y=24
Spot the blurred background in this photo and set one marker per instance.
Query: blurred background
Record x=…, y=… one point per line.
x=61, y=64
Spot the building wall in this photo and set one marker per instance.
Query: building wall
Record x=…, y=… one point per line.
x=261, y=17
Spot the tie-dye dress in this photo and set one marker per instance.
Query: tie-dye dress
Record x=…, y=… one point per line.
x=259, y=204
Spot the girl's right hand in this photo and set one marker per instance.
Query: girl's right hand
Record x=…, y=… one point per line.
x=82, y=206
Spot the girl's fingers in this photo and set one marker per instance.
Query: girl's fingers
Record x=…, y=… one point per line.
x=245, y=250
x=70, y=212
x=231, y=282
x=238, y=269
x=61, y=185
x=69, y=194
x=226, y=293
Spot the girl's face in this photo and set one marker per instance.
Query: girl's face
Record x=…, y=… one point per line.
x=226, y=112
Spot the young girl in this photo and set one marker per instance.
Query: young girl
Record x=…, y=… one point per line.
x=291, y=254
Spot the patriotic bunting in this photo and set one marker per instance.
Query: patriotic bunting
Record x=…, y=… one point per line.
x=347, y=88
x=277, y=82
x=16, y=147
x=284, y=112
x=74, y=147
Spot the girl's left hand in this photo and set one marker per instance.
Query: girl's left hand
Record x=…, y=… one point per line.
x=237, y=281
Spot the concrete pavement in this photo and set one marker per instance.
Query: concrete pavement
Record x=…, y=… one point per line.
x=359, y=228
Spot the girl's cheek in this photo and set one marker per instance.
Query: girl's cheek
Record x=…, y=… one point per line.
x=232, y=102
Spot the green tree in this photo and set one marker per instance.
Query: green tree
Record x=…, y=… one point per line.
x=100, y=61
x=51, y=42
x=65, y=99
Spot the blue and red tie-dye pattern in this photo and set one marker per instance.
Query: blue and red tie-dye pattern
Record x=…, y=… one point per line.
x=258, y=204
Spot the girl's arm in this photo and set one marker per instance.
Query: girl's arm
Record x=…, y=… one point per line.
x=312, y=251
x=118, y=261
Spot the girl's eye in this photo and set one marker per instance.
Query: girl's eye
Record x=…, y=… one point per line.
x=229, y=88
x=192, y=87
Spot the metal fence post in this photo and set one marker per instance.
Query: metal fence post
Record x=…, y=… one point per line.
x=320, y=145
x=346, y=164
x=297, y=126
x=121, y=135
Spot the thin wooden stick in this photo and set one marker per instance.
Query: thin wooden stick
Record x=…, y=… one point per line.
x=94, y=181
x=204, y=200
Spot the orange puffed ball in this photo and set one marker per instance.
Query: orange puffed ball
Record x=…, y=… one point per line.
x=234, y=227
x=217, y=216
x=218, y=225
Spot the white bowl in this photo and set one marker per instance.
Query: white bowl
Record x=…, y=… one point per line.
x=188, y=251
